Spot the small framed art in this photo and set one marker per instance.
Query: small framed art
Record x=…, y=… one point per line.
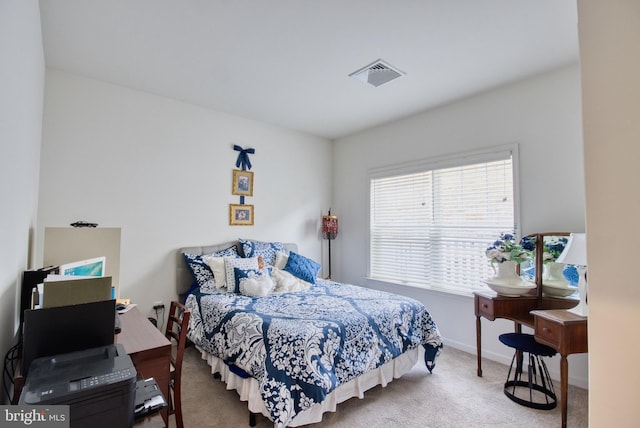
x=242, y=183
x=240, y=215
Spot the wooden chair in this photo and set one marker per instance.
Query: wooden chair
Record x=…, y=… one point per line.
x=176, y=332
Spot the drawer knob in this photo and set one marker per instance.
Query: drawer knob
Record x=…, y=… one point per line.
x=485, y=306
x=546, y=329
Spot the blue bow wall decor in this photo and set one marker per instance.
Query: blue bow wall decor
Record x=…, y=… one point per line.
x=243, y=157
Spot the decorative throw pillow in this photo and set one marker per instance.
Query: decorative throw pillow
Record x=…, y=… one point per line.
x=287, y=283
x=216, y=264
x=242, y=263
x=302, y=267
x=267, y=250
x=200, y=270
x=253, y=282
x=227, y=252
x=281, y=260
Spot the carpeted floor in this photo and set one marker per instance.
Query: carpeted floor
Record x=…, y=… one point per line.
x=451, y=397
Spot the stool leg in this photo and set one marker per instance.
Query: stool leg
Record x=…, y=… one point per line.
x=519, y=355
x=515, y=375
x=544, y=374
x=532, y=361
x=531, y=372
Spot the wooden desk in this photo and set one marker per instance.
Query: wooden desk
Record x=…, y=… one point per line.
x=148, y=348
x=552, y=325
x=518, y=309
x=154, y=421
x=566, y=333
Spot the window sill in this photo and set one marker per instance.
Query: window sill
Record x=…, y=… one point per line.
x=389, y=285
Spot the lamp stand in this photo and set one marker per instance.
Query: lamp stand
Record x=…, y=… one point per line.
x=582, y=308
x=329, y=277
x=329, y=232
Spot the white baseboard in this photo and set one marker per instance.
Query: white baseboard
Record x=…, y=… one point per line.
x=553, y=365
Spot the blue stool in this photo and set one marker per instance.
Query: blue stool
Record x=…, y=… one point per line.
x=537, y=390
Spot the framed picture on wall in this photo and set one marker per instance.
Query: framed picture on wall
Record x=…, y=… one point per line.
x=240, y=215
x=242, y=183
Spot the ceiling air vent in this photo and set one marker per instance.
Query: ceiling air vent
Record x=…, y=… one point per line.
x=377, y=73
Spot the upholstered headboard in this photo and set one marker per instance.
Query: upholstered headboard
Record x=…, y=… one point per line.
x=184, y=280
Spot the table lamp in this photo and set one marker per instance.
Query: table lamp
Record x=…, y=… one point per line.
x=329, y=231
x=575, y=253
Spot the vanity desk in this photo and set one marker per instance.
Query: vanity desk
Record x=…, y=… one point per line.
x=552, y=324
x=490, y=305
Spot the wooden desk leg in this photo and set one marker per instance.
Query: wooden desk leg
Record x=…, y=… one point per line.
x=18, y=384
x=564, y=385
x=165, y=387
x=479, y=345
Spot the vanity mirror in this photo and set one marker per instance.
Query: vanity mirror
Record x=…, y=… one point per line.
x=554, y=284
x=547, y=273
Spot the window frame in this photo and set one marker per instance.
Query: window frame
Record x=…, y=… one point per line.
x=448, y=161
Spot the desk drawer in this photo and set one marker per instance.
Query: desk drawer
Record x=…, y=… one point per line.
x=548, y=332
x=485, y=307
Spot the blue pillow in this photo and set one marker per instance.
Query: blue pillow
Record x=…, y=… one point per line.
x=200, y=270
x=302, y=267
x=227, y=252
x=248, y=273
x=267, y=250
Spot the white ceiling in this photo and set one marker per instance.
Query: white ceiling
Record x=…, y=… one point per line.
x=287, y=62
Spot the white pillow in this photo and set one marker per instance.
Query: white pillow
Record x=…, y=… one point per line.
x=216, y=264
x=281, y=260
x=241, y=263
x=287, y=283
x=256, y=286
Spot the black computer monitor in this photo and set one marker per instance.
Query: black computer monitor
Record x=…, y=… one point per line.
x=52, y=331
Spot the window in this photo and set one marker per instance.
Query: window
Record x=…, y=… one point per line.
x=431, y=222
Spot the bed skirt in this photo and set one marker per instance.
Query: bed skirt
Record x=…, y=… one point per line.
x=249, y=391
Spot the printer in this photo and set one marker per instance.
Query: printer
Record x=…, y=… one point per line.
x=98, y=384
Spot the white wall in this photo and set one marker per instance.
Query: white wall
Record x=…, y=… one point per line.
x=21, y=86
x=543, y=115
x=161, y=170
x=609, y=40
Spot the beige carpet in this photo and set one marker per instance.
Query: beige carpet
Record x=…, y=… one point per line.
x=451, y=397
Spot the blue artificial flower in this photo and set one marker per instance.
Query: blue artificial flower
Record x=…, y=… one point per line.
x=528, y=243
x=505, y=249
x=553, y=248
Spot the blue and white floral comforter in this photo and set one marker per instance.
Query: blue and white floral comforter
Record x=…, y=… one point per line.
x=301, y=346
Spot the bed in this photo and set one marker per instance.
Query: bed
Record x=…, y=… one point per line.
x=307, y=344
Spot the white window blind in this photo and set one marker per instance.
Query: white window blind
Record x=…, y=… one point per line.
x=430, y=227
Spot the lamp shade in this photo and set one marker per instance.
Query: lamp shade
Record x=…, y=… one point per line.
x=329, y=226
x=575, y=253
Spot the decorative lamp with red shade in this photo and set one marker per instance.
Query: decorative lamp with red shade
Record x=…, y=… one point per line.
x=329, y=232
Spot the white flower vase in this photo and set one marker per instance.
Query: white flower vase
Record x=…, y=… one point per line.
x=552, y=271
x=507, y=282
x=553, y=282
x=506, y=273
